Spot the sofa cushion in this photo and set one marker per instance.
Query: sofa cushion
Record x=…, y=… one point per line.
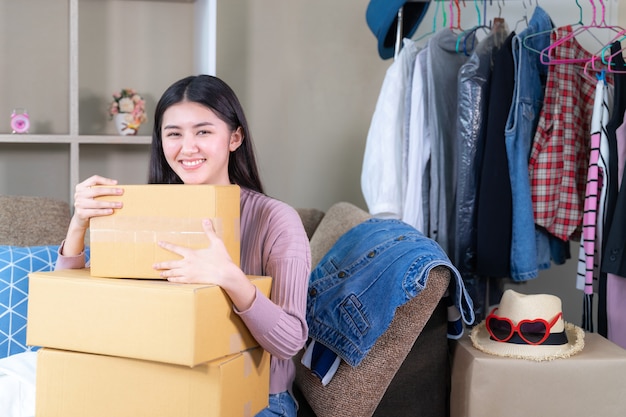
x=340, y=218
x=357, y=391
x=16, y=262
x=32, y=221
x=310, y=219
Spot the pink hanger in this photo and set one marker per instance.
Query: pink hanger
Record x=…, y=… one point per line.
x=608, y=60
x=546, y=54
x=595, y=66
x=610, y=67
x=458, y=16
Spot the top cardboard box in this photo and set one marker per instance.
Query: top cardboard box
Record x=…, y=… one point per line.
x=124, y=244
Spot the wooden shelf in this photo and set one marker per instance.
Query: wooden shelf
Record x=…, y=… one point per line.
x=74, y=143
x=24, y=139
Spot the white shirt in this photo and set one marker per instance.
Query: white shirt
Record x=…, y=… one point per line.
x=381, y=175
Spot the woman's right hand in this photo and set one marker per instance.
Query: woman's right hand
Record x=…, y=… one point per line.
x=86, y=206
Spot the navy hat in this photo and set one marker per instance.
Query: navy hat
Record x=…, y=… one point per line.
x=382, y=18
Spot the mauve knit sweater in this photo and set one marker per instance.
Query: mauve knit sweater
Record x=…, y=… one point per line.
x=273, y=243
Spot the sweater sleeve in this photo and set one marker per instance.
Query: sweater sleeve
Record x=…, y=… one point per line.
x=281, y=244
x=69, y=262
x=279, y=325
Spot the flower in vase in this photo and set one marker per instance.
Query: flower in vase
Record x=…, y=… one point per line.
x=129, y=102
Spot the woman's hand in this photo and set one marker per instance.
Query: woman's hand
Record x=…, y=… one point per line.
x=85, y=204
x=86, y=207
x=210, y=265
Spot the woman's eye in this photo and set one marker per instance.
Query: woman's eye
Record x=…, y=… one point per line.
x=203, y=132
x=172, y=134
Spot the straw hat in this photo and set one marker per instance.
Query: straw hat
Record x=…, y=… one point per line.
x=564, y=339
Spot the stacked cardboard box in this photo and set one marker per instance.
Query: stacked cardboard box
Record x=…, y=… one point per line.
x=74, y=384
x=137, y=345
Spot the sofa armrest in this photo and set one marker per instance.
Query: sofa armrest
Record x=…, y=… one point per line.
x=357, y=391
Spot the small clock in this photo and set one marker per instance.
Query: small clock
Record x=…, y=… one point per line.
x=20, y=122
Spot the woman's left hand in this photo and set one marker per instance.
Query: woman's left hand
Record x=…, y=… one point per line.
x=199, y=266
x=210, y=265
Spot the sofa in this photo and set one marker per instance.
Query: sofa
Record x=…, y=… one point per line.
x=406, y=373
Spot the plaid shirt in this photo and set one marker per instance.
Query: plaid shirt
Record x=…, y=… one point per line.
x=560, y=152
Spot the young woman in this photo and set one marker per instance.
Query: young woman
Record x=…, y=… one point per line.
x=201, y=137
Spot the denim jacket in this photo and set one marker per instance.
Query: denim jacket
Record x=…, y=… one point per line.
x=372, y=269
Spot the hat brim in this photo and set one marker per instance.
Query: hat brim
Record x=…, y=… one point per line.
x=575, y=335
x=382, y=18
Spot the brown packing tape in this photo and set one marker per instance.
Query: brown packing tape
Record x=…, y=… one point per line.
x=153, y=225
x=247, y=366
x=236, y=341
x=247, y=371
x=136, y=230
x=236, y=228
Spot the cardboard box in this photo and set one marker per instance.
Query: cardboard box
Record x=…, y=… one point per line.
x=124, y=244
x=590, y=383
x=185, y=324
x=72, y=384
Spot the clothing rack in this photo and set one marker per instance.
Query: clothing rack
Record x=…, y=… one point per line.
x=399, y=26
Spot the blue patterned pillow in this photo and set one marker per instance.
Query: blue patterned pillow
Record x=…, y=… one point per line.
x=15, y=264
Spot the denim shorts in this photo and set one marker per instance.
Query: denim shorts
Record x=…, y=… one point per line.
x=280, y=405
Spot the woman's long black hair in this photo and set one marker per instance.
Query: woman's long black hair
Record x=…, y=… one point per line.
x=215, y=94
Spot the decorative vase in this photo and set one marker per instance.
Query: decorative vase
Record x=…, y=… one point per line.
x=125, y=124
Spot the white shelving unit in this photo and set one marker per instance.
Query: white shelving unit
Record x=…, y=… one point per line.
x=204, y=34
x=74, y=141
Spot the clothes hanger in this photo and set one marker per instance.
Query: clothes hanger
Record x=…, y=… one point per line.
x=593, y=72
x=469, y=34
x=458, y=16
x=434, y=27
x=543, y=32
x=498, y=21
x=497, y=25
x=608, y=60
x=574, y=27
x=524, y=18
x=621, y=35
x=546, y=55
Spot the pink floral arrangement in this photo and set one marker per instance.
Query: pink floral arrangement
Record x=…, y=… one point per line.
x=130, y=103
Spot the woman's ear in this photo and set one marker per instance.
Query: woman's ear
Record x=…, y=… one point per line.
x=236, y=139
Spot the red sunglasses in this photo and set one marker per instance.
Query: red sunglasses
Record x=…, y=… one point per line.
x=533, y=332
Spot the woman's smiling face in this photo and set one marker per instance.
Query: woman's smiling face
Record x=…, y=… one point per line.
x=197, y=143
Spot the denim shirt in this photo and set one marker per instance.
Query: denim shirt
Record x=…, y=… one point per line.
x=528, y=99
x=372, y=269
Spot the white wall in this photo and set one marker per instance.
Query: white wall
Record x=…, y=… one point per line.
x=308, y=74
